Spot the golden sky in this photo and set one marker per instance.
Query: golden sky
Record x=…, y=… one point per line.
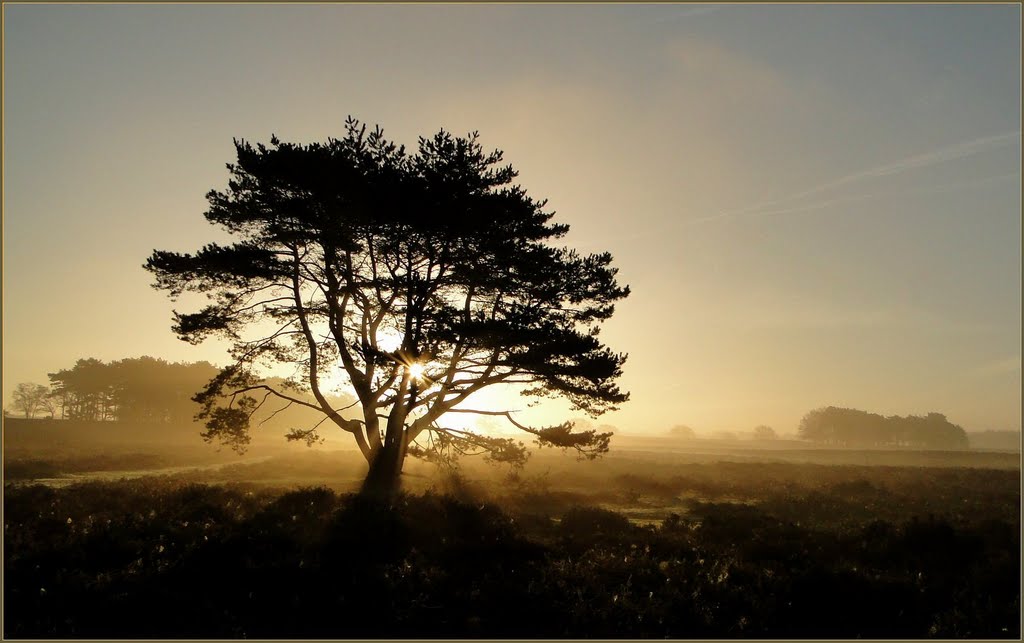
x=813, y=205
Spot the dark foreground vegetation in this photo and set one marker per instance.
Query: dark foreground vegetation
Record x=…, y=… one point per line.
x=728, y=550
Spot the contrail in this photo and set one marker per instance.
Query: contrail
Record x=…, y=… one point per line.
x=807, y=207
x=818, y=205
x=935, y=157
x=943, y=155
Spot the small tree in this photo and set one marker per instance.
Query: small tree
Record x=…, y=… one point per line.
x=30, y=398
x=421, y=278
x=764, y=432
x=682, y=431
x=50, y=402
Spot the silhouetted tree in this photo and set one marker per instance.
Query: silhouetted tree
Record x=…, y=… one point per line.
x=29, y=398
x=422, y=278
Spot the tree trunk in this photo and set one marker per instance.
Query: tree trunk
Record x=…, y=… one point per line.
x=384, y=479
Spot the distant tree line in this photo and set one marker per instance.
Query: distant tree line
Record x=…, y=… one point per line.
x=142, y=389
x=854, y=428
x=760, y=432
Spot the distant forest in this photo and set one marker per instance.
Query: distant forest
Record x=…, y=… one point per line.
x=137, y=390
x=153, y=391
x=143, y=389
x=853, y=428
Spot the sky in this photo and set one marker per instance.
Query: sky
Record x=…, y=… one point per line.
x=813, y=205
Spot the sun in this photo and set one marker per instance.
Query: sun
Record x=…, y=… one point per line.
x=416, y=371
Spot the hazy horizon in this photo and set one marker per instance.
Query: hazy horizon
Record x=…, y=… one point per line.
x=812, y=205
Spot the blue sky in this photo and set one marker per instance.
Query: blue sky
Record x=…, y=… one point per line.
x=813, y=205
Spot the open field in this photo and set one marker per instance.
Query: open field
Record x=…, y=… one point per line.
x=713, y=542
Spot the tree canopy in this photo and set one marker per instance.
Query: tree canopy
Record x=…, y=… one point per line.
x=139, y=390
x=418, y=277
x=851, y=427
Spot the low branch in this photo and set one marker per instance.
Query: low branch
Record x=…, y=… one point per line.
x=274, y=414
x=292, y=400
x=278, y=394
x=589, y=444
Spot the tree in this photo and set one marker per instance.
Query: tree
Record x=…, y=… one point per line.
x=149, y=390
x=49, y=403
x=843, y=427
x=144, y=392
x=682, y=431
x=933, y=431
x=764, y=432
x=419, y=278
x=851, y=427
x=29, y=398
x=86, y=391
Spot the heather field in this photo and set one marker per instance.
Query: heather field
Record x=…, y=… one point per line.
x=641, y=544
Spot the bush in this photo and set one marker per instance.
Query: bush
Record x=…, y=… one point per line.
x=587, y=523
